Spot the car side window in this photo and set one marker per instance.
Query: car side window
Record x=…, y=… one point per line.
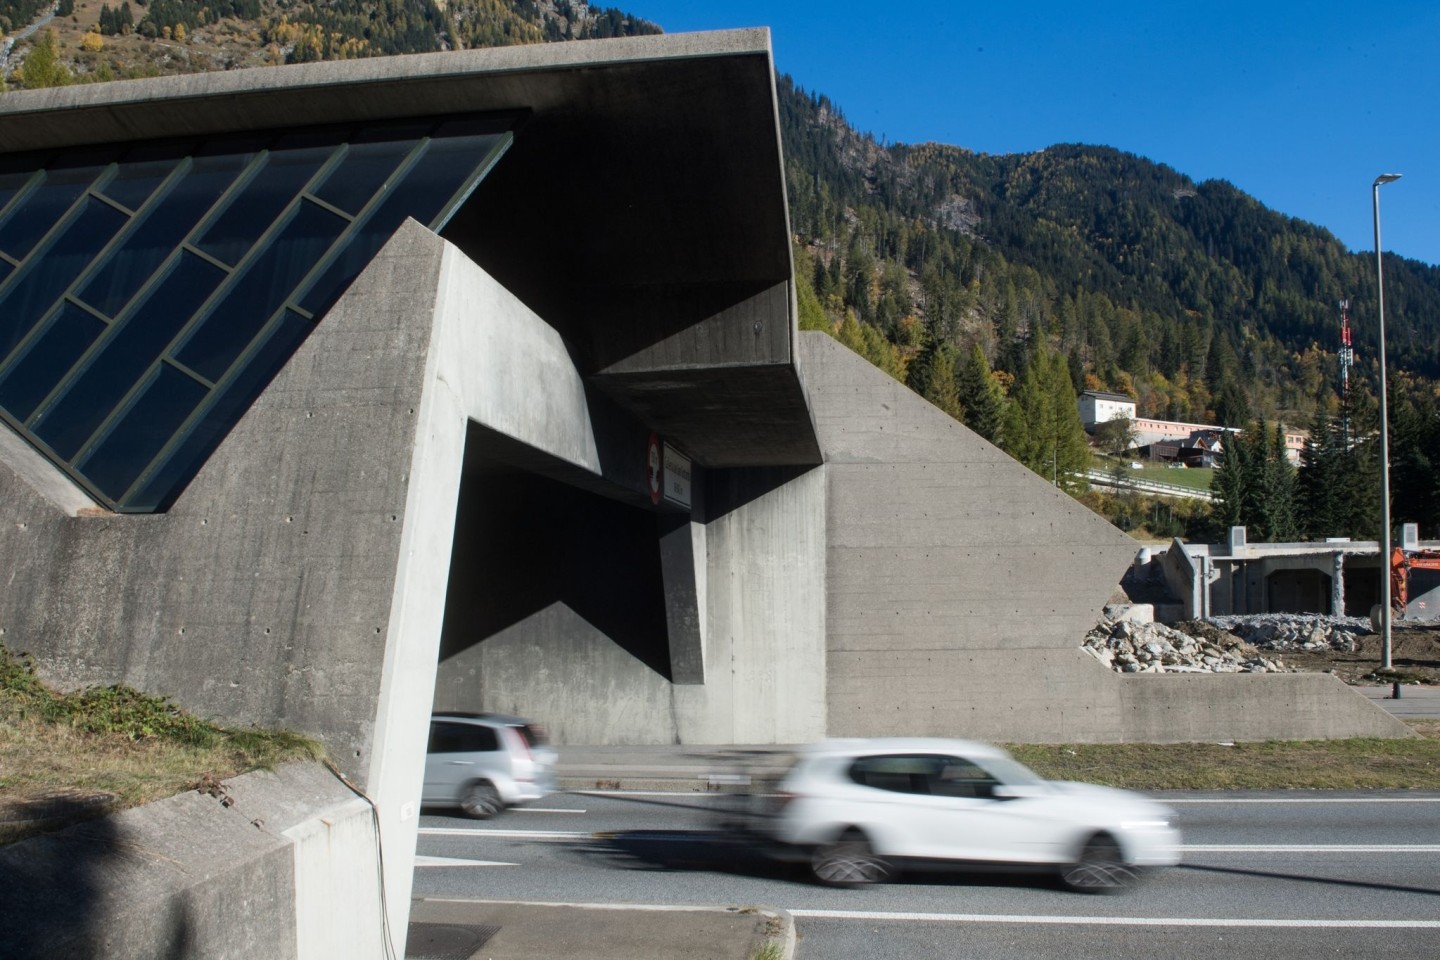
x=898, y=773
x=957, y=777
x=462, y=738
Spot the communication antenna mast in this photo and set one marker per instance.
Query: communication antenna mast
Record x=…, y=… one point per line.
x=1347, y=358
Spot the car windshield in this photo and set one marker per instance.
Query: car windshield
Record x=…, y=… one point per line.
x=1012, y=773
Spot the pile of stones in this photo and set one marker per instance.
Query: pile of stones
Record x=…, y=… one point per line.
x=1129, y=647
x=1310, y=631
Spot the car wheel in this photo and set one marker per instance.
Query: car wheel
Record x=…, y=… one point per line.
x=848, y=862
x=481, y=801
x=1100, y=868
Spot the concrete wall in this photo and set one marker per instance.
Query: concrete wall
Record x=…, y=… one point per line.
x=959, y=587
x=1183, y=708
x=579, y=641
x=959, y=583
x=1183, y=578
x=576, y=663
x=282, y=866
x=297, y=581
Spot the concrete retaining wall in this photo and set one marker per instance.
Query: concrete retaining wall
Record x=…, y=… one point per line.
x=281, y=866
x=1184, y=708
x=960, y=586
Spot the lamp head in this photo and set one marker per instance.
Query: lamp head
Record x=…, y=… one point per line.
x=1387, y=178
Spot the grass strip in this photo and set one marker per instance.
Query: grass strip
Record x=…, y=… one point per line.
x=114, y=747
x=1353, y=764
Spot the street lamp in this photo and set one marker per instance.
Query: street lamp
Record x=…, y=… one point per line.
x=1380, y=181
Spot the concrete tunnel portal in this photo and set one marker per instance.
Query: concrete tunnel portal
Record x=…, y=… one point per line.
x=546, y=577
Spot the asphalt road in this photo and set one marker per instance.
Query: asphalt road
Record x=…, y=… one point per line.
x=1272, y=876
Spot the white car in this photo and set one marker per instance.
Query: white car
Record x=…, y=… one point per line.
x=485, y=762
x=859, y=809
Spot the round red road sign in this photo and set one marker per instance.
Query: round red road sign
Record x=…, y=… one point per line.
x=654, y=468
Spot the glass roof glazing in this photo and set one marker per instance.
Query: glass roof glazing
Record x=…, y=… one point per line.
x=149, y=292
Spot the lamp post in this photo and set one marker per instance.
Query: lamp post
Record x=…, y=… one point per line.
x=1385, y=634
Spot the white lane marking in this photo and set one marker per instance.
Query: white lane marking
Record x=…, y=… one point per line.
x=1310, y=848
x=453, y=862
x=1175, y=800
x=507, y=834
x=1116, y=921
x=687, y=794
x=543, y=810
x=656, y=907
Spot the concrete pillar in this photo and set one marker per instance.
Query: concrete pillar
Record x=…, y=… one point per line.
x=680, y=573
x=1337, y=585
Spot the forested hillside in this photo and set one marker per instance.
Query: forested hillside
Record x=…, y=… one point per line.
x=996, y=286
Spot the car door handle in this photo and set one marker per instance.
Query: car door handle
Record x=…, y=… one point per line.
x=461, y=763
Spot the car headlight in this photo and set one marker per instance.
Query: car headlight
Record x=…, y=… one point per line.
x=1144, y=824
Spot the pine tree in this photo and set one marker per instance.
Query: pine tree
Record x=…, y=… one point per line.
x=938, y=384
x=980, y=396
x=1042, y=428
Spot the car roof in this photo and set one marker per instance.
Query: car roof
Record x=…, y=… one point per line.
x=503, y=719
x=870, y=746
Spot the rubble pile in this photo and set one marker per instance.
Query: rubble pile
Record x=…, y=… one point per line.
x=1129, y=647
x=1309, y=631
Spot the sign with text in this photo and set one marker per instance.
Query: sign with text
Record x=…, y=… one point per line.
x=677, y=476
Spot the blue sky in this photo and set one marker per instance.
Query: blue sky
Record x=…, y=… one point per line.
x=1299, y=104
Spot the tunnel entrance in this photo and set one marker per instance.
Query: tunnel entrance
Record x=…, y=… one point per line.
x=555, y=606
x=1299, y=591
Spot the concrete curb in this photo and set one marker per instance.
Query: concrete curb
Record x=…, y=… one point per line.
x=612, y=931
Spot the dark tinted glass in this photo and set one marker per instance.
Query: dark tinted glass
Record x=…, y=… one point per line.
x=423, y=193
x=267, y=283
x=160, y=231
x=899, y=774
x=47, y=359
x=160, y=489
x=250, y=213
x=40, y=209
x=135, y=180
x=201, y=259
x=364, y=170
x=11, y=182
x=131, y=351
x=31, y=295
x=143, y=430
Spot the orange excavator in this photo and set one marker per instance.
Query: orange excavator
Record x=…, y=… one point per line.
x=1402, y=561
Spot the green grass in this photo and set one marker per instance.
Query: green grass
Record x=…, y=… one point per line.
x=1196, y=478
x=1355, y=764
x=115, y=747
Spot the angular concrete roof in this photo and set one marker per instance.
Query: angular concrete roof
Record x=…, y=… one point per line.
x=641, y=209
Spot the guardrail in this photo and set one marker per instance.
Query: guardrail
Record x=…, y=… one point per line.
x=1132, y=482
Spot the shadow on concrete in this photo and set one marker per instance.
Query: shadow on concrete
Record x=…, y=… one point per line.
x=59, y=891
x=525, y=542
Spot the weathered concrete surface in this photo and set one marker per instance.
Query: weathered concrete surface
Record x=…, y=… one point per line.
x=959, y=583
x=282, y=865
x=295, y=582
x=960, y=586
x=560, y=600
x=1186, y=708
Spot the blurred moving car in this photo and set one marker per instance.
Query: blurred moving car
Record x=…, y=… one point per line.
x=859, y=809
x=485, y=762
